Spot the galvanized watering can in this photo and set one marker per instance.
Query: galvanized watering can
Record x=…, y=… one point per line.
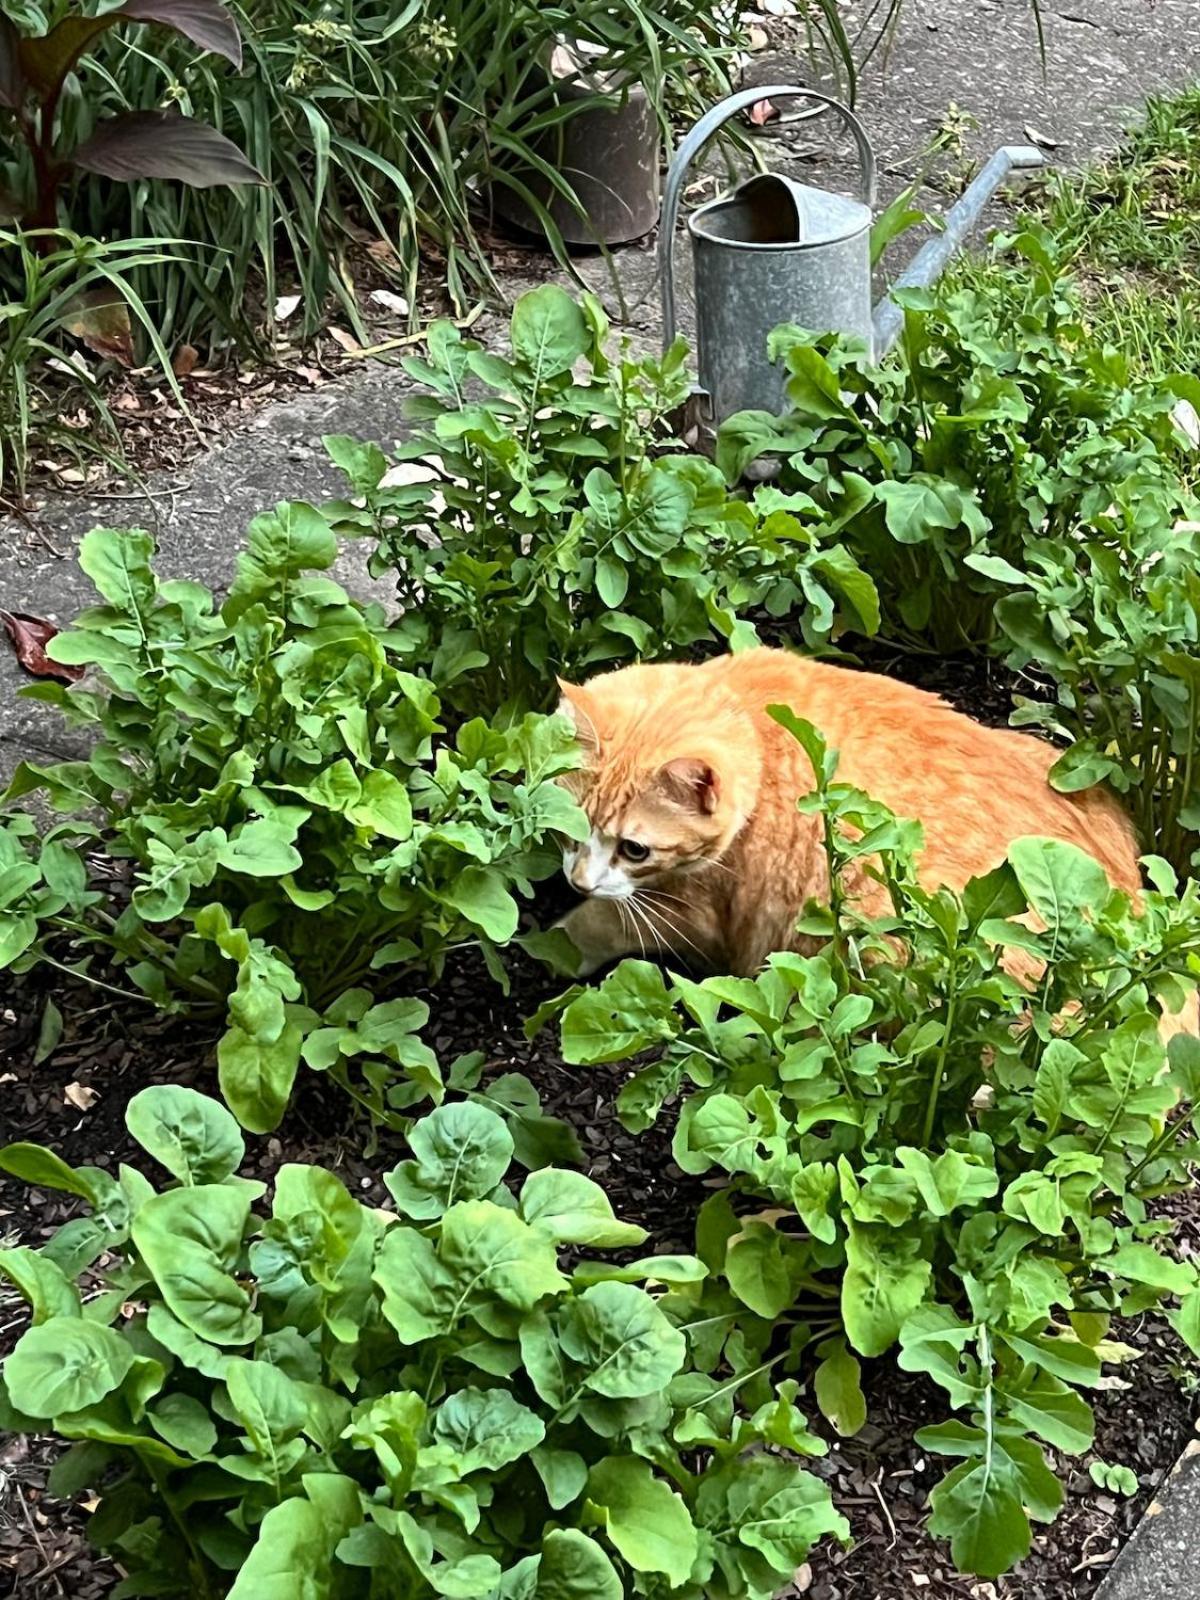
x=771, y=250
x=774, y=250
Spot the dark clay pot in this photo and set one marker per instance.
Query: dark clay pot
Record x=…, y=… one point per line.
x=610, y=157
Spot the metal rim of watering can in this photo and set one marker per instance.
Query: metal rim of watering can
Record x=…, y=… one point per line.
x=699, y=136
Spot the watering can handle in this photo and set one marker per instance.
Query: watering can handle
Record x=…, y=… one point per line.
x=699, y=137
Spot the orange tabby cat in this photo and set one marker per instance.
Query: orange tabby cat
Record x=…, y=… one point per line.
x=697, y=847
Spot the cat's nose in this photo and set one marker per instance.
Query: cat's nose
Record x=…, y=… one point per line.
x=579, y=877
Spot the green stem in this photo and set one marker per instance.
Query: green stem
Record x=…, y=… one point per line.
x=97, y=983
x=935, y=1088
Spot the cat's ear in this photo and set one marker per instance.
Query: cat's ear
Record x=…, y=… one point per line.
x=574, y=705
x=692, y=783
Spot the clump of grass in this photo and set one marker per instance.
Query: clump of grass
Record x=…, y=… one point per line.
x=1128, y=228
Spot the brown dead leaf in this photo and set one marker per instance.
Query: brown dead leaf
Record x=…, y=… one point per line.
x=1046, y=140
x=81, y=1096
x=347, y=340
x=30, y=636
x=184, y=361
x=101, y=319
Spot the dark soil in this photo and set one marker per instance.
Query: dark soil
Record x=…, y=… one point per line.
x=75, y=1100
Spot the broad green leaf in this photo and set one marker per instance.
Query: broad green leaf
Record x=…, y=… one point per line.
x=261, y=849
x=491, y=1250
x=41, y=1283
x=280, y=545
x=193, y=1136
x=256, y=1075
x=1142, y=1263
x=66, y=1364
x=384, y=806
x=769, y=1506
x=191, y=1242
x=184, y=1423
x=1051, y=1409
x=886, y=1279
x=481, y=895
x=574, y=1567
x=1066, y=887
x=563, y=1473
x=571, y=1209
x=33, y=1163
x=643, y=1517
x=462, y=1151
x=486, y=1429
x=269, y=1405
x=949, y=1180
x=628, y=1012
x=291, y=1557
x=978, y=1507
x=118, y=563
x=622, y=1340
x=837, y=1384
x=548, y=332
x=759, y=1267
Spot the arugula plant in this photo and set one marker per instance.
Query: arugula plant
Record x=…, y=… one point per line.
x=323, y=1398
x=559, y=528
x=1112, y=618
x=1000, y=422
x=290, y=831
x=930, y=1158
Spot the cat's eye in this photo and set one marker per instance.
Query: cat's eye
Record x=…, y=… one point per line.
x=632, y=850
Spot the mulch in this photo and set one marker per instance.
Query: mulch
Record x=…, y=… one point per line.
x=74, y=1101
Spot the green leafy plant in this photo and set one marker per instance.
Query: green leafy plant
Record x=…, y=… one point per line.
x=559, y=528
x=34, y=69
x=290, y=831
x=75, y=286
x=1116, y=1479
x=930, y=1158
x=1112, y=618
x=388, y=123
x=999, y=423
x=417, y=1402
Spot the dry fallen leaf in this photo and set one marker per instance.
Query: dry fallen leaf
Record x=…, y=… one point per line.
x=80, y=1096
x=1044, y=139
x=347, y=340
x=184, y=363
x=30, y=636
x=285, y=305
x=390, y=301
x=101, y=319
x=802, y=1579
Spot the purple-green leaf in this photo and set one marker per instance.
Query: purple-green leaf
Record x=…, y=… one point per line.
x=206, y=23
x=47, y=59
x=159, y=144
x=12, y=79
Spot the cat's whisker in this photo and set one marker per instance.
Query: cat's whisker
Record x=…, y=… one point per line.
x=641, y=920
x=663, y=895
x=625, y=912
x=649, y=912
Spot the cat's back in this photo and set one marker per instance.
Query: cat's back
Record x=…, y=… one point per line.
x=974, y=788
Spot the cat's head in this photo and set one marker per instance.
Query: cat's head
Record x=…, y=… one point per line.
x=670, y=774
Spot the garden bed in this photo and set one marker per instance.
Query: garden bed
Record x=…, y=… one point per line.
x=879, y=1479
x=74, y=1101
